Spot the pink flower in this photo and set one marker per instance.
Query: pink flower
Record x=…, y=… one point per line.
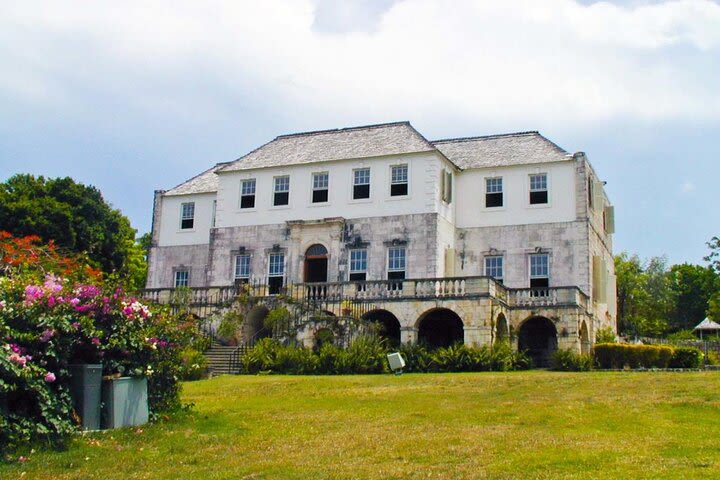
x=32, y=293
x=53, y=284
x=50, y=377
x=15, y=348
x=95, y=341
x=51, y=301
x=74, y=301
x=18, y=359
x=2, y=304
x=75, y=325
x=47, y=334
x=22, y=459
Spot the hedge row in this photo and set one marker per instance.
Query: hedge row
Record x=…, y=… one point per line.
x=369, y=355
x=620, y=355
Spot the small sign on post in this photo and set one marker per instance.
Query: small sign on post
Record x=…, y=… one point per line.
x=397, y=362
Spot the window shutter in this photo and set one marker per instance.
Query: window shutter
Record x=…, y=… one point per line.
x=442, y=185
x=598, y=200
x=449, y=262
x=610, y=219
x=448, y=185
x=600, y=279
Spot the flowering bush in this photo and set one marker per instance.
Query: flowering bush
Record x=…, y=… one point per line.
x=49, y=321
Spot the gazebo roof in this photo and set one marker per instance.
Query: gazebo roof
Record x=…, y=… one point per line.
x=707, y=324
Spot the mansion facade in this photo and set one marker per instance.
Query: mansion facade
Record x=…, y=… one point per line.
x=469, y=239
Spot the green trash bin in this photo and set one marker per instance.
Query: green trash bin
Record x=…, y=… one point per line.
x=86, y=388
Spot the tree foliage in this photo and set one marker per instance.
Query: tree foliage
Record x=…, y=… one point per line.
x=76, y=218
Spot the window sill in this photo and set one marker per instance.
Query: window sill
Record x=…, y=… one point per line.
x=538, y=205
x=280, y=207
x=186, y=230
x=360, y=200
x=246, y=210
x=319, y=204
x=399, y=197
x=494, y=209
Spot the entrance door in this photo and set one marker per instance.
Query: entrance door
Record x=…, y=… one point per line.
x=316, y=263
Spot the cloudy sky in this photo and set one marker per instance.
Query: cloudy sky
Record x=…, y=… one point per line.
x=137, y=96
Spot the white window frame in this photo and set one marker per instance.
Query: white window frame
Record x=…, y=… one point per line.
x=353, y=184
x=487, y=271
x=399, y=181
x=315, y=188
x=184, y=217
x=547, y=266
x=532, y=189
x=501, y=191
x=240, y=275
x=391, y=268
x=276, y=191
x=181, y=282
x=243, y=182
x=281, y=264
x=354, y=262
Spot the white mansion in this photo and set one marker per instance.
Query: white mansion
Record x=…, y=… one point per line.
x=469, y=239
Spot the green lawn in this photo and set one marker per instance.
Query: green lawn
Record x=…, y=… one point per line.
x=486, y=425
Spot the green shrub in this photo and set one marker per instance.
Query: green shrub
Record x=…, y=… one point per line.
x=229, y=329
x=417, y=357
x=455, y=358
x=193, y=364
x=686, y=357
x=366, y=354
x=620, y=355
x=605, y=335
x=570, y=361
x=682, y=335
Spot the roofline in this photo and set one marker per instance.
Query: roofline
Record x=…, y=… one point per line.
x=345, y=129
x=485, y=137
x=216, y=166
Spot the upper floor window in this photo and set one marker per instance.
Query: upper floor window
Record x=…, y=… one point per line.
x=187, y=215
x=182, y=278
x=398, y=180
x=493, y=192
x=539, y=271
x=538, y=189
x=276, y=272
x=494, y=267
x=321, y=182
x=281, y=190
x=242, y=266
x=247, y=193
x=358, y=264
x=361, y=183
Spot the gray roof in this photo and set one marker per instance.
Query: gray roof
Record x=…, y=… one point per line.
x=520, y=148
x=707, y=324
x=339, y=144
x=206, y=182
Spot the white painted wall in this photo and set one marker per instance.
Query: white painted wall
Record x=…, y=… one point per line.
x=420, y=198
x=170, y=231
x=516, y=209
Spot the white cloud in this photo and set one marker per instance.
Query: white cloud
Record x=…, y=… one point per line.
x=529, y=61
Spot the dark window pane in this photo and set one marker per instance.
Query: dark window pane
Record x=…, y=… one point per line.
x=187, y=223
x=281, y=198
x=247, y=201
x=539, y=283
x=395, y=276
x=398, y=189
x=538, y=197
x=361, y=191
x=275, y=285
x=320, y=196
x=493, y=199
x=358, y=277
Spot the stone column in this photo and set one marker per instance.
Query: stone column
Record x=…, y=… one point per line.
x=408, y=335
x=478, y=336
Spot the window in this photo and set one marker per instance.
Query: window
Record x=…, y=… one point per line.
x=358, y=265
x=494, y=267
x=187, y=216
x=361, y=183
x=446, y=186
x=396, y=267
x=247, y=193
x=398, y=180
x=281, y=195
x=276, y=272
x=538, y=189
x=242, y=267
x=182, y=278
x=493, y=192
x=539, y=271
x=320, y=187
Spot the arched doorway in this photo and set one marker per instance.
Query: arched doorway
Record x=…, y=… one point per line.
x=388, y=326
x=254, y=325
x=440, y=328
x=501, y=329
x=538, y=338
x=316, y=263
x=584, y=338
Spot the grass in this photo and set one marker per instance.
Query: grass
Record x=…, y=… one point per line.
x=526, y=425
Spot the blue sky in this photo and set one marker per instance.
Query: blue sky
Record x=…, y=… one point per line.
x=137, y=96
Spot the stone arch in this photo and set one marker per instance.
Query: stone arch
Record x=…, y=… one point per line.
x=254, y=324
x=584, y=338
x=388, y=326
x=502, y=331
x=316, y=264
x=440, y=327
x=537, y=337
x=323, y=336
